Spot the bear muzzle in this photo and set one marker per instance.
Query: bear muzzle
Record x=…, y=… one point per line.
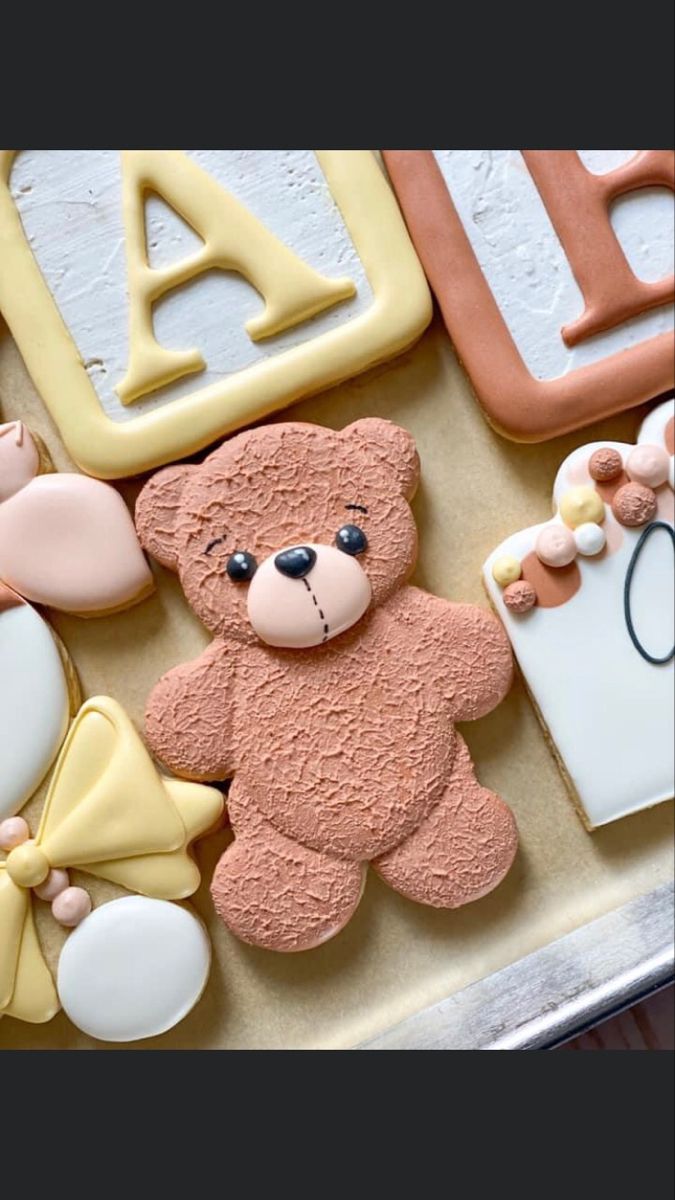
x=303, y=596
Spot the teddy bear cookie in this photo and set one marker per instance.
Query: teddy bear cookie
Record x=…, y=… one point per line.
x=587, y=599
x=331, y=689
x=66, y=541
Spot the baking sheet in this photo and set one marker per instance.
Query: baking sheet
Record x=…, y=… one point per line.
x=395, y=957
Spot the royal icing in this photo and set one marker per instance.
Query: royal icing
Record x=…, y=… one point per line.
x=331, y=689
x=133, y=969
x=109, y=813
x=34, y=701
x=554, y=272
x=184, y=294
x=596, y=648
x=66, y=541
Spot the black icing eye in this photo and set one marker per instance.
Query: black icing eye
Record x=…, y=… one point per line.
x=351, y=539
x=241, y=566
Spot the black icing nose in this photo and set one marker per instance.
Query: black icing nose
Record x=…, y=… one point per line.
x=296, y=563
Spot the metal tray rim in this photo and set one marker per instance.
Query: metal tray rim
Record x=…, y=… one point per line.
x=556, y=992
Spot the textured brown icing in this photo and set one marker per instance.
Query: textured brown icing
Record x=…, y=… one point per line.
x=462, y=850
x=605, y=464
x=554, y=585
x=520, y=406
x=669, y=436
x=338, y=753
x=634, y=504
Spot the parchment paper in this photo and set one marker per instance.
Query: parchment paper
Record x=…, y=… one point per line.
x=394, y=957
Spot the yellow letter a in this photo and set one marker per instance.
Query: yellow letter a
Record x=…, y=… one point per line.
x=234, y=240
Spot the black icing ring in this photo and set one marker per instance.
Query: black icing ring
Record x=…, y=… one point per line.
x=644, y=537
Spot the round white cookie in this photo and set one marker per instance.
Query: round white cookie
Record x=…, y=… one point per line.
x=34, y=702
x=133, y=969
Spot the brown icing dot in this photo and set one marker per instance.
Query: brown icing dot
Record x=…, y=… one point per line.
x=553, y=585
x=605, y=464
x=519, y=597
x=608, y=488
x=634, y=504
x=669, y=436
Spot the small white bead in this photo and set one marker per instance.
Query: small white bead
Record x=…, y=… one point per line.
x=590, y=538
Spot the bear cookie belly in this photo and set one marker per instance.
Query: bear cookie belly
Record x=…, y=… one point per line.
x=380, y=753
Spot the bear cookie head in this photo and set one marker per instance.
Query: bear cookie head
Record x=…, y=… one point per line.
x=288, y=533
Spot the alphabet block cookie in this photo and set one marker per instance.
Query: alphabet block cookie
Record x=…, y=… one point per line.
x=554, y=272
x=587, y=599
x=331, y=689
x=161, y=298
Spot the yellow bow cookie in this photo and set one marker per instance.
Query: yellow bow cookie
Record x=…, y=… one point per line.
x=108, y=812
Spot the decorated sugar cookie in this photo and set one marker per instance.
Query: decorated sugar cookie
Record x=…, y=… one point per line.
x=133, y=969
x=109, y=814
x=161, y=298
x=588, y=605
x=38, y=692
x=554, y=273
x=331, y=689
x=66, y=541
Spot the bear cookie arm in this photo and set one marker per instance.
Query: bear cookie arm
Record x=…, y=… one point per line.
x=464, y=649
x=190, y=717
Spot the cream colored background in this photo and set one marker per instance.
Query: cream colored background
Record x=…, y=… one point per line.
x=394, y=957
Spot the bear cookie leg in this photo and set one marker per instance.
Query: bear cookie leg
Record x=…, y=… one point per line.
x=463, y=849
x=273, y=892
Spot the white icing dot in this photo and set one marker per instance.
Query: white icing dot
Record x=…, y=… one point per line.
x=133, y=969
x=590, y=538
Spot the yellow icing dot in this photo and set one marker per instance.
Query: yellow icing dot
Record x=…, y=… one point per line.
x=581, y=505
x=27, y=865
x=506, y=570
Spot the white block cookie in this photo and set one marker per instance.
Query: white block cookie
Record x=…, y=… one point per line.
x=588, y=602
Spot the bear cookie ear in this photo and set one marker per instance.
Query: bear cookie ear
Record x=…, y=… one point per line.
x=391, y=447
x=157, y=511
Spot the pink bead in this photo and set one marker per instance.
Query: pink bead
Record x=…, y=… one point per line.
x=648, y=465
x=71, y=907
x=555, y=546
x=14, y=832
x=519, y=597
x=55, y=883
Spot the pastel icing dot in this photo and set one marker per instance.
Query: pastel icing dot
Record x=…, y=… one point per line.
x=506, y=569
x=605, y=464
x=14, y=832
x=71, y=906
x=56, y=882
x=581, y=505
x=648, y=465
x=519, y=597
x=634, y=504
x=555, y=546
x=590, y=538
